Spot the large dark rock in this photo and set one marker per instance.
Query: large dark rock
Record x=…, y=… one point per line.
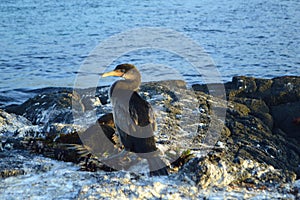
x=253, y=139
x=285, y=118
x=257, y=143
x=215, y=170
x=273, y=101
x=55, y=105
x=262, y=116
x=16, y=126
x=273, y=91
x=258, y=108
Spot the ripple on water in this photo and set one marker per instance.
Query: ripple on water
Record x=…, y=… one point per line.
x=44, y=43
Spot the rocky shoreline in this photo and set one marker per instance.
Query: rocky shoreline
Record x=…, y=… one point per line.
x=255, y=147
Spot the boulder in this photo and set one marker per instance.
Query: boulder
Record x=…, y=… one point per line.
x=12, y=125
x=55, y=106
x=52, y=107
x=251, y=138
x=270, y=100
x=274, y=91
x=247, y=150
x=215, y=171
x=258, y=108
x=285, y=118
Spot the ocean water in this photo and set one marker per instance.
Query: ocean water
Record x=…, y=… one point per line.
x=45, y=43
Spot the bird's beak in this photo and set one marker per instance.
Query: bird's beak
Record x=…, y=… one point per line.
x=113, y=73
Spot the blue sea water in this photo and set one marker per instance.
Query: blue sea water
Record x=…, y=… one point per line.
x=44, y=43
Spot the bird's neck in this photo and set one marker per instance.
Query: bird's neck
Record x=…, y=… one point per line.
x=128, y=84
x=124, y=85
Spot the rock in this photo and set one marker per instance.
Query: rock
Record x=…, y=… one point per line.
x=59, y=105
x=171, y=84
x=55, y=129
x=9, y=167
x=259, y=109
x=284, y=90
x=47, y=178
x=12, y=125
x=48, y=107
x=241, y=86
x=267, y=99
x=251, y=146
x=284, y=118
x=254, y=118
x=238, y=109
x=17, y=162
x=274, y=92
x=296, y=189
x=255, y=141
x=216, y=171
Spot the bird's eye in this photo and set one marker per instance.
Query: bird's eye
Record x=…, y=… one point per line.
x=122, y=70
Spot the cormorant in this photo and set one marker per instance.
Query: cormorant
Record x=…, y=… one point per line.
x=88, y=141
x=134, y=117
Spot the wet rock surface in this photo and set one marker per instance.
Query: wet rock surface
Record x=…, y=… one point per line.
x=250, y=142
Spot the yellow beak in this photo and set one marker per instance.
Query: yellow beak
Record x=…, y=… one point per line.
x=113, y=73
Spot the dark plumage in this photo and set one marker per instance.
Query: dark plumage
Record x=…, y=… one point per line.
x=107, y=119
x=134, y=118
x=103, y=130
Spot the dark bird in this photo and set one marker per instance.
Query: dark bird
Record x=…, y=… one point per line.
x=134, y=118
x=103, y=130
x=98, y=140
x=107, y=119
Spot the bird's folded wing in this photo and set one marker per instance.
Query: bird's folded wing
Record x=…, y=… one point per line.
x=140, y=111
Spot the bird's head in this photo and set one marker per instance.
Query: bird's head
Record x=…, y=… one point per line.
x=126, y=71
